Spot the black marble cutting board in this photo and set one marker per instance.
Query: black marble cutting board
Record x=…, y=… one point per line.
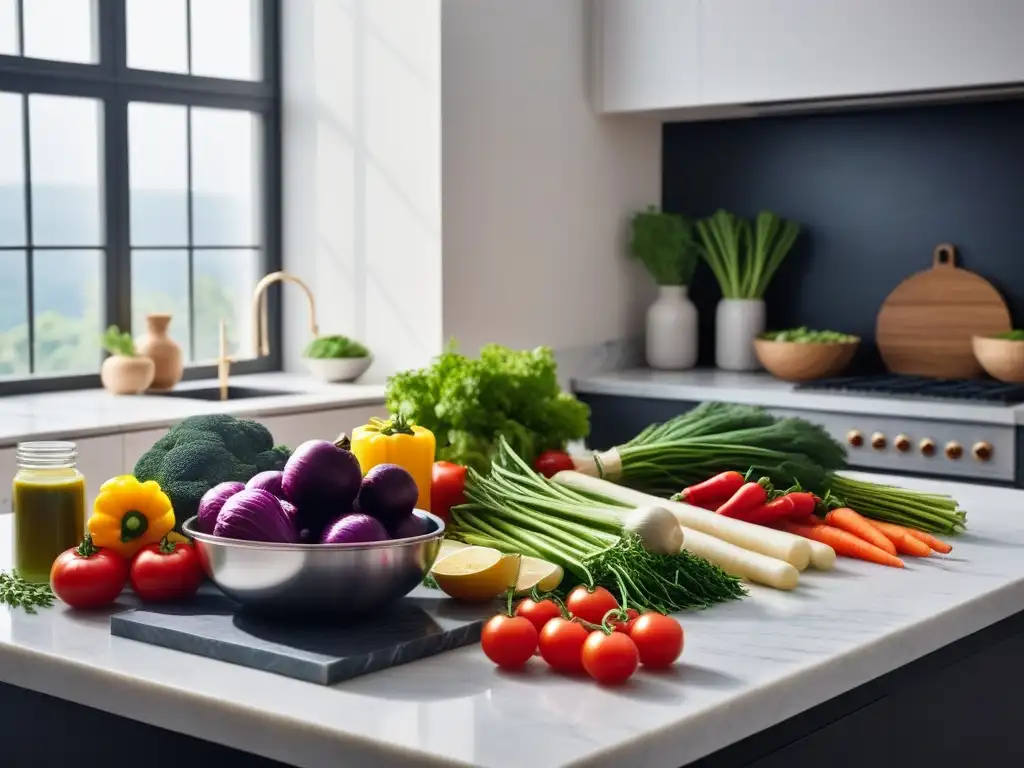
x=422, y=624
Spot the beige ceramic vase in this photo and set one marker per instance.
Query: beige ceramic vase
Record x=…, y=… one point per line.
x=163, y=350
x=124, y=375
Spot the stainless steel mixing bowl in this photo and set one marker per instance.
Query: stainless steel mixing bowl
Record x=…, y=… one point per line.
x=327, y=579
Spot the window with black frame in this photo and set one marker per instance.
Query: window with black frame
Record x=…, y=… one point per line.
x=139, y=173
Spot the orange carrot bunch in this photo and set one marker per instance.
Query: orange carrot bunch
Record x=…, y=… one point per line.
x=853, y=535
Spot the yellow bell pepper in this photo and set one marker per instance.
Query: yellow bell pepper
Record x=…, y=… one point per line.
x=396, y=441
x=127, y=515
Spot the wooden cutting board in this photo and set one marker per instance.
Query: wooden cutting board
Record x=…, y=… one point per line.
x=925, y=325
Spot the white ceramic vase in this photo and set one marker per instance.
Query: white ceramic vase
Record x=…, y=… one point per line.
x=672, y=330
x=737, y=323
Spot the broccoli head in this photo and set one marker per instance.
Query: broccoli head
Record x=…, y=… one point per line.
x=202, y=451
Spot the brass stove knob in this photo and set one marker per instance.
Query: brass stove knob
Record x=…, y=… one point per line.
x=855, y=438
x=878, y=441
x=902, y=443
x=927, y=447
x=982, y=451
x=954, y=450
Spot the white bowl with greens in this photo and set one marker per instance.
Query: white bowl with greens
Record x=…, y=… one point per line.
x=336, y=359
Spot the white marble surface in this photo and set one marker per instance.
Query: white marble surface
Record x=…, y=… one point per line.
x=83, y=413
x=765, y=390
x=747, y=666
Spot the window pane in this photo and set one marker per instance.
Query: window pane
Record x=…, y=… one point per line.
x=160, y=284
x=61, y=30
x=158, y=174
x=64, y=142
x=13, y=314
x=225, y=177
x=225, y=38
x=68, y=310
x=9, y=27
x=223, y=282
x=156, y=34
x=12, y=172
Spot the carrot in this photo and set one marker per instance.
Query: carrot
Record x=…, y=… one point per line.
x=748, y=497
x=851, y=522
x=937, y=544
x=714, y=491
x=905, y=543
x=843, y=543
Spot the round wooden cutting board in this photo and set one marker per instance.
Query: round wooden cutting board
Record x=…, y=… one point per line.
x=924, y=327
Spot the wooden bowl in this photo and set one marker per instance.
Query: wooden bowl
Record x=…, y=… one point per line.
x=1002, y=359
x=803, y=361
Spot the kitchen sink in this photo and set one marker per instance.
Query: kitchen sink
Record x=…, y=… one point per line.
x=234, y=393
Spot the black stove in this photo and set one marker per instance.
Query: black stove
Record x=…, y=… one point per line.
x=979, y=391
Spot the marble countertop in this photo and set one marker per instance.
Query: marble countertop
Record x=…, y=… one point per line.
x=765, y=390
x=747, y=666
x=84, y=413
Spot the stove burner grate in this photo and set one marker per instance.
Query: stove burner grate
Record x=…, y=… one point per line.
x=979, y=390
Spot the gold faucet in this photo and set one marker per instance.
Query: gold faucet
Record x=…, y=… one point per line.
x=223, y=362
x=261, y=336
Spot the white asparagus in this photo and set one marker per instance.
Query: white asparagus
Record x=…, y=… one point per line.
x=743, y=563
x=795, y=550
x=823, y=557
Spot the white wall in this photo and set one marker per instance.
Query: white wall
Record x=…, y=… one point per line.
x=403, y=114
x=362, y=174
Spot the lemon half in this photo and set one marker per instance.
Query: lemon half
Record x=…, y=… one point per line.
x=476, y=574
x=538, y=573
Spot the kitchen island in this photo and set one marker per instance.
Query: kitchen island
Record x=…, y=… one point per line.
x=862, y=665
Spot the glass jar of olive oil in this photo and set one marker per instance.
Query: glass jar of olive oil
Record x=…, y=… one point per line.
x=49, y=506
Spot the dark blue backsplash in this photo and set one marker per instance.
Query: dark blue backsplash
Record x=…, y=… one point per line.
x=875, y=190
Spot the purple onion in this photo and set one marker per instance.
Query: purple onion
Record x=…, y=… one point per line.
x=255, y=515
x=388, y=493
x=267, y=481
x=212, y=503
x=411, y=526
x=320, y=479
x=354, y=529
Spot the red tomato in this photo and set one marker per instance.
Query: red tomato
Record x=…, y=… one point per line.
x=591, y=606
x=87, y=576
x=166, y=571
x=618, y=625
x=447, y=487
x=509, y=641
x=658, y=639
x=550, y=463
x=538, y=613
x=610, y=659
x=561, y=645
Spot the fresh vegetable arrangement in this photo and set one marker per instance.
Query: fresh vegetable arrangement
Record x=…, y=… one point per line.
x=718, y=437
x=515, y=510
x=468, y=403
x=202, y=451
x=745, y=257
x=335, y=347
x=803, y=335
x=588, y=633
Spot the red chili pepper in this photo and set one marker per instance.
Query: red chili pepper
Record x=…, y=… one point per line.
x=804, y=503
x=747, y=498
x=781, y=508
x=713, y=492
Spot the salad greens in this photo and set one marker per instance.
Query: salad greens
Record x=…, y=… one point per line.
x=334, y=348
x=1014, y=335
x=469, y=402
x=804, y=335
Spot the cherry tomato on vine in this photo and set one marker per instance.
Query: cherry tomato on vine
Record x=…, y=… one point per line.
x=591, y=606
x=658, y=639
x=561, y=645
x=618, y=625
x=509, y=641
x=88, y=576
x=610, y=659
x=538, y=612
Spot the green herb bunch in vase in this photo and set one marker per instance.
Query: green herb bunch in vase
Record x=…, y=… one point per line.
x=664, y=244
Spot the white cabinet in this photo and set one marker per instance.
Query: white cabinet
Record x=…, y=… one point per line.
x=665, y=54
x=137, y=443
x=646, y=54
x=296, y=428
